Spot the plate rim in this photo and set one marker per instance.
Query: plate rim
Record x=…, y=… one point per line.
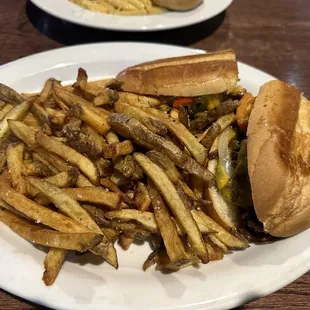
x=274, y=284
x=42, y=5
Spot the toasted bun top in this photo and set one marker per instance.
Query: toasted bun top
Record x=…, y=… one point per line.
x=279, y=159
x=178, y=5
x=196, y=75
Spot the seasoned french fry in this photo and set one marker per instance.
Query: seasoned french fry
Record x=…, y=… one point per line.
x=96, y=213
x=64, y=179
x=70, y=155
x=145, y=219
x=214, y=252
x=15, y=155
x=166, y=164
x=106, y=97
x=6, y=109
x=228, y=239
x=131, y=128
x=72, y=208
x=38, y=234
x=183, y=134
x=142, y=198
x=112, y=187
x=52, y=265
x=175, y=203
x=64, y=202
x=111, y=137
x=31, y=121
x=8, y=94
x=128, y=167
x=151, y=260
x=167, y=228
x=125, y=241
x=2, y=159
x=95, y=195
x=37, y=169
x=38, y=213
x=148, y=121
x=23, y=132
x=118, y=149
x=84, y=110
x=111, y=233
x=17, y=113
x=46, y=92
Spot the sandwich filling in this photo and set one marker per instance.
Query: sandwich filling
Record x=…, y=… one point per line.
x=219, y=122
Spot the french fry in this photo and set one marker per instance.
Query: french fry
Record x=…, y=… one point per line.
x=125, y=241
x=2, y=159
x=17, y=113
x=41, y=114
x=37, y=169
x=38, y=234
x=223, y=122
x=142, y=198
x=111, y=137
x=151, y=260
x=128, y=167
x=214, y=252
x=175, y=203
x=31, y=121
x=70, y=155
x=46, y=91
x=96, y=213
x=95, y=195
x=8, y=94
x=227, y=238
x=144, y=219
x=106, y=97
x=105, y=182
x=64, y=202
x=223, y=212
x=64, y=179
x=15, y=155
x=84, y=110
x=183, y=134
x=6, y=109
x=111, y=233
x=167, y=228
x=52, y=265
x=131, y=128
x=152, y=124
x=73, y=209
x=23, y=132
x=118, y=149
x=166, y=164
x=38, y=213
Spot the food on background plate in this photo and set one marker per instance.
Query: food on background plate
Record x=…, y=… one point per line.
x=172, y=151
x=121, y=7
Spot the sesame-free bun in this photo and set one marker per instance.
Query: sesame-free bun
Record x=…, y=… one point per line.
x=178, y=5
x=279, y=159
x=186, y=76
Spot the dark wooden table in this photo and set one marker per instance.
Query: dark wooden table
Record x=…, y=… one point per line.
x=273, y=35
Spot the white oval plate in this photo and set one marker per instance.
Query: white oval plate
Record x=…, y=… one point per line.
x=87, y=283
x=71, y=12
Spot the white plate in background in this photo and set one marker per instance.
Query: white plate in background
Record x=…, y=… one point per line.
x=85, y=283
x=66, y=10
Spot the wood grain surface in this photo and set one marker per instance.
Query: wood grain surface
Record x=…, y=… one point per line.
x=273, y=35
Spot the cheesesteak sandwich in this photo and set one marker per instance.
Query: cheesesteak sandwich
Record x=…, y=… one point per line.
x=256, y=148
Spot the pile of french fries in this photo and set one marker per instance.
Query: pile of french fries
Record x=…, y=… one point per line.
x=85, y=165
